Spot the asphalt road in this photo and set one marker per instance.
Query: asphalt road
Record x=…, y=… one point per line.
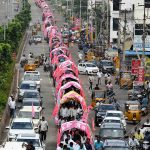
x=48, y=91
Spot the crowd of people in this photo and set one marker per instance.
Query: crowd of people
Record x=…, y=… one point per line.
x=70, y=111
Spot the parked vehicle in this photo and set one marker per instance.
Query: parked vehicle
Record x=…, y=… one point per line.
x=33, y=76
x=20, y=126
x=100, y=112
x=88, y=68
x=34, y=138
x=111, y=131
x=114, y=113
x=115, y=144
x=107, y=66
x=26, y=86
x=27, y=112
x=133, y=111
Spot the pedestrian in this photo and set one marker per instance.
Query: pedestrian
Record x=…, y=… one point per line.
x=106, y=76
x=30, y=146
x=138, y=135
x=12, y=106
x=60, y=147
x=133, y=143
x=10, y=98
x=99, y=76
x=88, y=144
x=91, y=79
x=43, y=127
x=117, y=79
x=98, y=144
x=96, y=87
x=80, y=55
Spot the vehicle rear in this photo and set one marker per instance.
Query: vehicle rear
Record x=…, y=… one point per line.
x=113, y=144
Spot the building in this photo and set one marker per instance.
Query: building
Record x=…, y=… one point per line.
x=134, y=10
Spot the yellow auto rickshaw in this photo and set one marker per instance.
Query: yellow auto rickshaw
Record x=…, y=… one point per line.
x=126, y=80
x=89, y=56
x=133, y=111
x=98, y=96
x=30, y=66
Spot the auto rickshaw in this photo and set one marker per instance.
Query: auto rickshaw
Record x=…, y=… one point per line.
x=38, y=61
x=30, y=66
x=89, y=56
x=126, y=80
x=133, y=111
x=98, y=96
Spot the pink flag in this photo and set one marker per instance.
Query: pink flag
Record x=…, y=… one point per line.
x=93, y=125
x=33, y=112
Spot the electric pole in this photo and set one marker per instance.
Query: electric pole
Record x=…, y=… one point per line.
x=108, y=17
x=124, y=34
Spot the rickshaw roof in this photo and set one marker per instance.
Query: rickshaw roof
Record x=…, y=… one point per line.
x=73, y=95
x=132, y=103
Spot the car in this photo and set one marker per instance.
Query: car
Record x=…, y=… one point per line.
x=88, y=68
x=26, y=86
x=115, y=144
x=100, y=112
x=12, y=145
x=33, y=95
x=30, y=102
x=111, y=131
x=34, y=138
x=106, y=66
x=114, y=113
x=112, y=120
x=33, y=76
x=20, y=126
x=27, y=112
x=37, y=39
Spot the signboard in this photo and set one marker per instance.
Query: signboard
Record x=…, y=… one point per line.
x=136, y=63
x=138, y=46
x=141, y=74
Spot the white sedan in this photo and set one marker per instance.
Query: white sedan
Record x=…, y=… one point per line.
x=88, y=68
x=114, y=113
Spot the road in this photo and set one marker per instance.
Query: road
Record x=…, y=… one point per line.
x=48, y=91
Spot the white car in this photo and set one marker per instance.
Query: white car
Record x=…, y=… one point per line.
x=88, y=68
x=12, y=145
x=114, y=113
x=33, y=76
x=112, y=120
x=26, y=112
x=20, y=126
x=34, y=138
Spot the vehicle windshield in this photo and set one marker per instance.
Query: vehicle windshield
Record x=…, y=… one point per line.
x=90, y=65
x=134, y=107
x=62, y=59
x=111, y=133
x=126, y=75
x=106, y=107
x=31, y=77
x=107, y=63
x=29, y=103
x=27, y=86
x=31, y=95
x=99, y=94
x=114, y=115
x=25, y=114
x=116, y=148
x=112, y=121
x=35, y=142
x=22, y=125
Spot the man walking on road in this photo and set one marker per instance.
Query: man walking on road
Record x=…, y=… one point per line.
x=99, y=76
x=43, y=128
x=12, y=106
x=91, y=80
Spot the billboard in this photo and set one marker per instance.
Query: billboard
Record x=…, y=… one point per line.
x=136, y=63
x=141, y=74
